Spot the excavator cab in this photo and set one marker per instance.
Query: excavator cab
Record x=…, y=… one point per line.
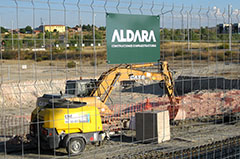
x=80, y=88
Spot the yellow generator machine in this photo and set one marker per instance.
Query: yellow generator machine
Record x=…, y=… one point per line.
x=67, y=124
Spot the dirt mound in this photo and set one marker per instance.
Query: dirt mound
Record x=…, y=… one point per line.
x=24, y=94
x=203, y=103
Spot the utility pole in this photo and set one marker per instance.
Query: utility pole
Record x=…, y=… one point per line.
x=81, y=33
x=12, y=37
x=230, y=26
x=94, y=45
x=43, y=32
x=188, y=34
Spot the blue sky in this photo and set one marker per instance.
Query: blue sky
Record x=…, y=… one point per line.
x=219, y=3
x=26, y=15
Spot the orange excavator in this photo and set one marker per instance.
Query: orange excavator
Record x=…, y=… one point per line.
x=96, y=92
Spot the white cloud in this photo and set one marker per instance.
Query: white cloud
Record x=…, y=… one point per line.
x=236, y=12
x=217, y=11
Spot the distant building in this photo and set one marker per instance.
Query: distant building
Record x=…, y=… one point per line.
x=76, y=29
x=71, y=30
x=52, y=28
x=224, y=28
x=15, y=31
x=236, y=28
x=37, y=31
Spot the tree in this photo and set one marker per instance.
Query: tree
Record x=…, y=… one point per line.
x=40, y=36
x=178, y=35
x=102, y=28
x=28, y=42
x=98, y=35
x=8, y=40
x=3, y=30
x=28, y=29
x=87, y=27
x=47, y=34
x=204, y=33
x=22, y=30
x=88, y=38
x=166, y=34
x=194, y=35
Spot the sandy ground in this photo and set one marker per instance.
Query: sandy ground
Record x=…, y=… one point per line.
x=11, y=70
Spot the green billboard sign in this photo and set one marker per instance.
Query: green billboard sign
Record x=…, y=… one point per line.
x=132, y=38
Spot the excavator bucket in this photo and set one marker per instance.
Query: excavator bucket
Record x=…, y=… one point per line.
x=176, y=111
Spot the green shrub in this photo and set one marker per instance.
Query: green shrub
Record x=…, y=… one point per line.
x=99, y=62
x=223, y=46
x=71, y=64
x=39, y=59
x=178, y=52
x=9, y=55
x=228, y=53
x=220, y=57
x=206, y=49
x=45, y=57
x=28, y=57
x=51, y=64
x=92, y=63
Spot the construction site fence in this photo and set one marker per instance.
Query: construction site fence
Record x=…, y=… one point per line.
x=14, y=125
x=200, y=43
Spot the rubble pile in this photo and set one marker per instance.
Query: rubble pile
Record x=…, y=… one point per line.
x=203, y=103
x=211, y=103
x=191, y=105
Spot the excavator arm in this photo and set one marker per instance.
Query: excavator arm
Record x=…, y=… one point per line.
x=106, y=82
x=108, y=79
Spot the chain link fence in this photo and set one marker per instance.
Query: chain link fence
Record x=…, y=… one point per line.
x=45, y=43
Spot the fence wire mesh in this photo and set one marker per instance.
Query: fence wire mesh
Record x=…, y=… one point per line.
x=48, y=47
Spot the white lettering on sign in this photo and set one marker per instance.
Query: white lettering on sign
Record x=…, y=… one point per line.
x=137, y=77
x=77, y=118
x=130, y=36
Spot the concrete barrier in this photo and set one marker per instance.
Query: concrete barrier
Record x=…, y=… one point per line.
x=152, y=126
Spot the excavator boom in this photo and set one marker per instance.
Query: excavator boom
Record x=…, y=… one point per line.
x=108, y=79
x=96, y=92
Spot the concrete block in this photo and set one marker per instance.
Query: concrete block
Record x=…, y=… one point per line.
x=163, y=126
x=152, y=126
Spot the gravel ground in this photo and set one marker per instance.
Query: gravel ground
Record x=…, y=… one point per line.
x=182, y=136
x=187, y=135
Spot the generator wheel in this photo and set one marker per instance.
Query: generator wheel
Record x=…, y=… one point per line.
x=75, y=146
